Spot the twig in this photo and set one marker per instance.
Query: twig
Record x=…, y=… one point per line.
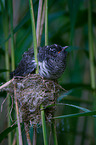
x=3, y=102
x=39, y=22
x=42, y=22
x=14, y=123
x=6, y=84
x=18, y=120
x=62, y=88
x=27, y=134
x=11, y=110
x=14, y=140
x=46, y=22
x=34, y=135
x=54, y=132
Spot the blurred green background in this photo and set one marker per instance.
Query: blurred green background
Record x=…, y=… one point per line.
x=68, y=24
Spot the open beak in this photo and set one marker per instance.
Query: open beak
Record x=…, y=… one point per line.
x=65, y=47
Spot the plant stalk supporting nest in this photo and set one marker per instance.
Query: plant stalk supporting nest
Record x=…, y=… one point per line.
x=18, y=119
x=6, y=29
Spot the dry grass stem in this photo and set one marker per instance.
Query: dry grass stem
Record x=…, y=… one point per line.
x=27, y=134
x=39, y=22
x=17, y=113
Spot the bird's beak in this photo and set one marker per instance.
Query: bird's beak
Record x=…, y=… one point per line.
x=65, y=47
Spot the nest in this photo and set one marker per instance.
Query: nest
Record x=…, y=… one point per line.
x=31, y=92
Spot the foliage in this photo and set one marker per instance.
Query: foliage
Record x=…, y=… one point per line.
x=68, y=24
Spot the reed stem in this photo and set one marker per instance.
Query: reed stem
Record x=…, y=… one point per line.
x=6, y=30
x=39, y=22
x=12, y=35
x=54, y=132
x=34, y=33
x=46, y=22
x=92, y=57
x=44, y=126
x=91, y=49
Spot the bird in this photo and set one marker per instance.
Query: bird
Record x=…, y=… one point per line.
x=51, y=62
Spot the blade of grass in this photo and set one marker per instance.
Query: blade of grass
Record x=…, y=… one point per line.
x=76, y=115
x=18, y=27
x=70, y=105
x=4, y=133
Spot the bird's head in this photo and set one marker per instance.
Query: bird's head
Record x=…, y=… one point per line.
x=52, y=52
x=56, y=51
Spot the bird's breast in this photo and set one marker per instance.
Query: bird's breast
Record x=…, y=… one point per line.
x=43, y=71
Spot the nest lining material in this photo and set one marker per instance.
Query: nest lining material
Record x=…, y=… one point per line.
x=31, y=92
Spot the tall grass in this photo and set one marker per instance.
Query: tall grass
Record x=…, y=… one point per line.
x=34, y=32
x=92, y=58
x=46, y=22
x=18, y=130
x=62, y=23
x=91, y=47
x=12, y=35
x=6, y=31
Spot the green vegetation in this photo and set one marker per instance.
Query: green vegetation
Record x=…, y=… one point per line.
x=71, y=23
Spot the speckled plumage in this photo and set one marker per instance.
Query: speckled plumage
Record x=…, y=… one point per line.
x=51, y=61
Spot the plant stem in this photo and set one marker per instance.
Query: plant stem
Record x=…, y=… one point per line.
x=44, y=126
x=27, y=133
x=42, y=21
x=12, y=55
x=91, y=50
x=41, y=107
x=6, y=29
x=34, y=135
x=12, y=35
x=91, y=55
x=54, y=133
x=35, y=42
x=8, y=102
x=18, y=120
x=34, y=32
x=39, y=22
x=46, y=22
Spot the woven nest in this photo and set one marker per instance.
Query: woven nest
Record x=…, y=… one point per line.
x=31, y=92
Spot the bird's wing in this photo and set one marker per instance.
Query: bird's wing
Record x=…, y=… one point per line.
x=26, y=66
